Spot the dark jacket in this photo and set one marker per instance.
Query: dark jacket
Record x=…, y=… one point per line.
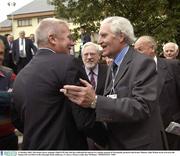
x=133, y=119
x=46, y=117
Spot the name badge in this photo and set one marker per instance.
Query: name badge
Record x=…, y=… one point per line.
x=113, y=96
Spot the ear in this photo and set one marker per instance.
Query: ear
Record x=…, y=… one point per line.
x=52, y=39
x=121, y=37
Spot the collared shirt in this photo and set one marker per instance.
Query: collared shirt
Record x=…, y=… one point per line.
x=22, y=48
x=95, y=70
x=119, y=58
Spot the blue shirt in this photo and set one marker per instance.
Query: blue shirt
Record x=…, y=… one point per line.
x=119, y=58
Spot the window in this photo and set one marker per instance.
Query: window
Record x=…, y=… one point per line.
x=24, y=22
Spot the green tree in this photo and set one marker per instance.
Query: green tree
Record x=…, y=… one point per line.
x=158, y=18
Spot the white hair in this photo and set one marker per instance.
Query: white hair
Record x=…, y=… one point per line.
x=97, y=47
x=176, y=47
x=46, y=27
x=120, y=25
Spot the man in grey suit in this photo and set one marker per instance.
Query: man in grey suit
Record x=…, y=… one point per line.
x=129, y=104
x=168, y=86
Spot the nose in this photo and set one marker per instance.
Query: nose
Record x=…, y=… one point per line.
x=89, y=56
x=169, y=52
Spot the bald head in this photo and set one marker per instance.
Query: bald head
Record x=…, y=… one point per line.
x=146, y=45
x=170, y=50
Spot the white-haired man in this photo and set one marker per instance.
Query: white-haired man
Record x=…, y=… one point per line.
x=170, y=50
x=96, y=72
x=128, y=105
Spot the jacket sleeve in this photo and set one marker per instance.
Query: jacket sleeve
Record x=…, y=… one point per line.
x=136, y=99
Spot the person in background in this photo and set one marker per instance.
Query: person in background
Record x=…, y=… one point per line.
x=8, y=139
x=168, y=86
x=170, y=50
x=22, y=51
x=129, y=103
x=96, y=72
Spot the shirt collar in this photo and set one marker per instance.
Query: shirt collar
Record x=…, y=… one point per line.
x=95, y=70
x=119, y=58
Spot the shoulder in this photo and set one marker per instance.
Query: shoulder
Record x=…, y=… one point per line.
x=142, y=58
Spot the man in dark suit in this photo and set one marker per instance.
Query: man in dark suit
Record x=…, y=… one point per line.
x=129, y=104
x=168, y=86
x=22, y=51
x=96, y=73
x=46, y=117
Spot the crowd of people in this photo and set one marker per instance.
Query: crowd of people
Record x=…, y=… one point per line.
x=118, y=95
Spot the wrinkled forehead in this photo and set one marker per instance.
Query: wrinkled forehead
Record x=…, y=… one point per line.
x=170, y=46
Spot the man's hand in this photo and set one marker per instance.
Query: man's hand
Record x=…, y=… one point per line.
x=81, y=95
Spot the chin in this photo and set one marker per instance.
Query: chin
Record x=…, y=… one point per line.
x=90, y=66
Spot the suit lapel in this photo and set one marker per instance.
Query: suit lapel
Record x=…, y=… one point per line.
x=108, y=83
x=124, y=66
x=162, y=72
x=122, y=70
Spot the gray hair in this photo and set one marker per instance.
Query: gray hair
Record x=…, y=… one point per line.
x=46, y=27
x=175, y=46
x=91, y=44
x=120, y=25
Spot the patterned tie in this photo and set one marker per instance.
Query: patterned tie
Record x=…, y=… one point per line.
x=92, y=79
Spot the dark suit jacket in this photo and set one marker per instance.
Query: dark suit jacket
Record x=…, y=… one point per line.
x=169, y=95
x=133, y=119
x=99, y=132
x=101, y=79
x=46, y=117
x=28, y=46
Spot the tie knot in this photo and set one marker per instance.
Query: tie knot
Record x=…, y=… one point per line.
x=91, y=72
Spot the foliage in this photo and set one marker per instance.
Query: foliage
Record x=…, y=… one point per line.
x=158, y=18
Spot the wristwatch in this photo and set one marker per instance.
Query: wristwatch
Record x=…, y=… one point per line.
x=93, y=104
